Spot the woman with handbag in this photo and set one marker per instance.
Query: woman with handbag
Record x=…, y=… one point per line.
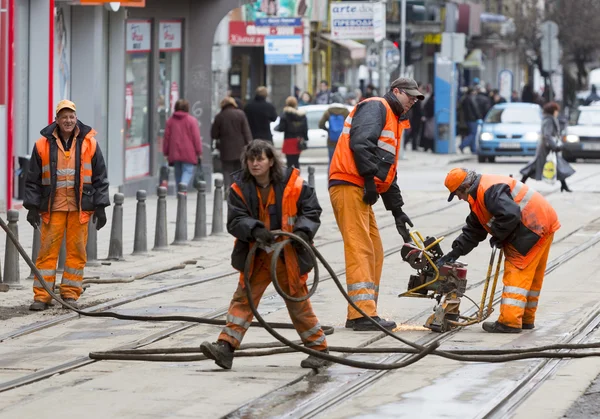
x=549, y=142
x=294, y=125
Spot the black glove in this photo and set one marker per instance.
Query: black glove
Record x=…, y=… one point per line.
x=263, y=235
x=33, y=218
x=401, y=221
x=303, y=236
x=99, y=218
x=370, y=195
x=449, y=257
x=495, y=242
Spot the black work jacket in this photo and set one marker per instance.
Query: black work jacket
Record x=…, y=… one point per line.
x=242, y=218
x=41, y=197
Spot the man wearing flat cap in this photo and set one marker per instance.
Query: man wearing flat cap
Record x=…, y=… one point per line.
x=363, y=167
x=65, y=186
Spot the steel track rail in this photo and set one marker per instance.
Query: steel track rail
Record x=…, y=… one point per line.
x=80, y=362
x=320, y=404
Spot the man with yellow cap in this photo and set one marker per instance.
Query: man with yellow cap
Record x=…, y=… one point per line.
x=66, y=185
x=522, y=223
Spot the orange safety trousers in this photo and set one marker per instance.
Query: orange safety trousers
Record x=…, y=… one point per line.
x=51, y=240
x=363, y=249
x=240, y=316
x=522, y=288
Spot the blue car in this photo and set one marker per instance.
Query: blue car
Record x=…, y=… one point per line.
x=509, y=129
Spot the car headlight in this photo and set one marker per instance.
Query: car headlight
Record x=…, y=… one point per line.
x=572, y=138
x=486, y=136
x=532, y=136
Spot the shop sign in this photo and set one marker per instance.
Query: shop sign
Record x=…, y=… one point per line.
x=352, y=20
x=283, y=50
x=432, y=38
x=169, y=37
x=250, y=35
x=279, y=21
x=137, y=162
x=138, y=35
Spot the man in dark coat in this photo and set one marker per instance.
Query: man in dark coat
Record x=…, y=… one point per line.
x=232, y=133
x=260, y=114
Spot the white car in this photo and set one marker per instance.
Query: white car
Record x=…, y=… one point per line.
x=582, y=136
x=317, y=138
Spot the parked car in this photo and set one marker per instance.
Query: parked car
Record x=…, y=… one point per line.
x=509, y=129
x=317, y=138
x=582, y=136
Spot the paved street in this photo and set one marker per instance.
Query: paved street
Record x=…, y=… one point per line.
x=43, y=369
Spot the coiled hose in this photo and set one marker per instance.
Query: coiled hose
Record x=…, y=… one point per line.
x=285, y=346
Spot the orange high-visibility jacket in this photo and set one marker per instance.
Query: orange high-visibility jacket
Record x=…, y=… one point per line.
x=538, y=218
x=385, y=153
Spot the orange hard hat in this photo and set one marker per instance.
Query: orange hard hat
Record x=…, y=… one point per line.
x=454, y=179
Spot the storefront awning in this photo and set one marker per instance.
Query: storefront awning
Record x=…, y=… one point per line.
x=357, y=50
x=474, y=60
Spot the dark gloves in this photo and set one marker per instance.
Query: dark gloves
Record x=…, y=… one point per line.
x=449, y=257
x=33, y=218
x=401, y=221
x=99, y=218
x=495, y=242
x=302, y=235
x=263, y=235
x=370, y=195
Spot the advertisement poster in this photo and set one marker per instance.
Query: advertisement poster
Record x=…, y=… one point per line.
x=137, y=162
x=281, y=8
x=138, y=36
x=169, y=35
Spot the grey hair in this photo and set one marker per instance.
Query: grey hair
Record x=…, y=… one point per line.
x=469, y=180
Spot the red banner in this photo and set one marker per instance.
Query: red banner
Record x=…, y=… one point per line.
x=249, y=35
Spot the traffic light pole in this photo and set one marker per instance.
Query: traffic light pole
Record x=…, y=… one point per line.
x=403, y=39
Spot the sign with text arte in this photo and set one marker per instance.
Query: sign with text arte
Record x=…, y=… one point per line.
x=249, y=35
x=352, y=20
x=283, y=50
x=138, y=35
x=169, y=37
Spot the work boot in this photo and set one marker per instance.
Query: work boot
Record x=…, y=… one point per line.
x=220, y=352
x=39, y=306
x=315, y=362
x=495, y=327
x=71, y=302
x=528, y=326
x=362, y=324
x=349, y=323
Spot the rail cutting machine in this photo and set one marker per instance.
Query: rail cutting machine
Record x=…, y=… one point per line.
x=447, y=285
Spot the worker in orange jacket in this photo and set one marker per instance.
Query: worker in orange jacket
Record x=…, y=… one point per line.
x=266, y=197
x=522, y=223
x=66, y=184
x=364, y=167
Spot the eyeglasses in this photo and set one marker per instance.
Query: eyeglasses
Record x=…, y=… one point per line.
x=410, y=97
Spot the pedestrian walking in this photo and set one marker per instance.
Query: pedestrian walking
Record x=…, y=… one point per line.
x=182, y=145
x=416, y=119
x=231, y=133
x=266, y=197
x=428, y=132
x=324, y=94
x=66, y=185
x=549, y=142
x=294, y=125
x=333, y=122
x=364, y=167
x=260, y=114
x=522, y=223
x=472, y=113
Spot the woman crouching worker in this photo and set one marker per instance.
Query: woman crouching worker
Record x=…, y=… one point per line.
x=266, y=196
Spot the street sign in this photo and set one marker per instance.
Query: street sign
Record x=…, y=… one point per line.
x=357, y=20
x=453, y=47
x=391, y=54
x=550, y=48
x=379, y=33
x=278, y=21
x=283, y=50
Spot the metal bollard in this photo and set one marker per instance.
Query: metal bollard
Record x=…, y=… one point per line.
x=217, y=217
x=91, y=247
x=11, y=255
x=62, y=255
x=140, y=240
x=35, y=249
x=311, y=176
x=200, y=227
x=181, y=221
x=115, y=246
x=160, y=234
